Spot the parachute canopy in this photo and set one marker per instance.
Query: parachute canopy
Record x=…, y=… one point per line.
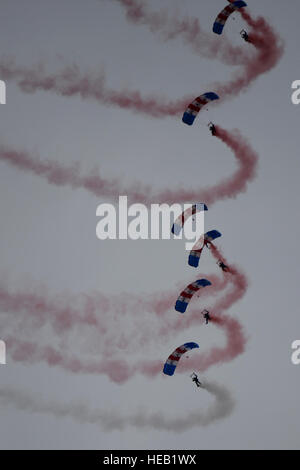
x=196, y=252
x=179, y=222
x=186, y=295
x=172, y=361
x=211, y=235
x=194, y=257
x=193, y=108
x=224, y=15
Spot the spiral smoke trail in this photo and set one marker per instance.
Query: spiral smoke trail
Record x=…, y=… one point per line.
x=38, y=309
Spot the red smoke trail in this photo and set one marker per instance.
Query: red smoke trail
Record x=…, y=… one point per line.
x=235, y=338
x=269, y=47
x=94, y=315
x=61, y=314
x=234, y=285
x=71, y=82
x=235, y=346
x=189, y=29
x=54, y=173
x=230, y=187
x=63, y=311
x=65, y=317
x=117, y=368
x=31, y=353
x=266, y=41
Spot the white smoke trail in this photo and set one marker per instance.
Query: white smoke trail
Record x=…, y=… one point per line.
x=112, y=421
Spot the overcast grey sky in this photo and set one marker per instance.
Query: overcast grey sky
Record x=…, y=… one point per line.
x=48, y=233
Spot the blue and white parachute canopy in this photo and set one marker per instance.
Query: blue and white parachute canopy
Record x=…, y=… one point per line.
x=179, y=222
x=172, y=361
x=193, y=108
x=186, y=295
x=224, y=15
x=196, y=252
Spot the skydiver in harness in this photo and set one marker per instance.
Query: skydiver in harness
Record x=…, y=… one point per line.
x=206, y=316
x=223, y=266
x=196, y=380
x=212, y=128
x=245, y=35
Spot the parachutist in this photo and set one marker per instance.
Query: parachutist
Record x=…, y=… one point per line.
x=196, y=380
x=212, y=128
x=206, y=316
x=223, y=266
x=245, y=35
